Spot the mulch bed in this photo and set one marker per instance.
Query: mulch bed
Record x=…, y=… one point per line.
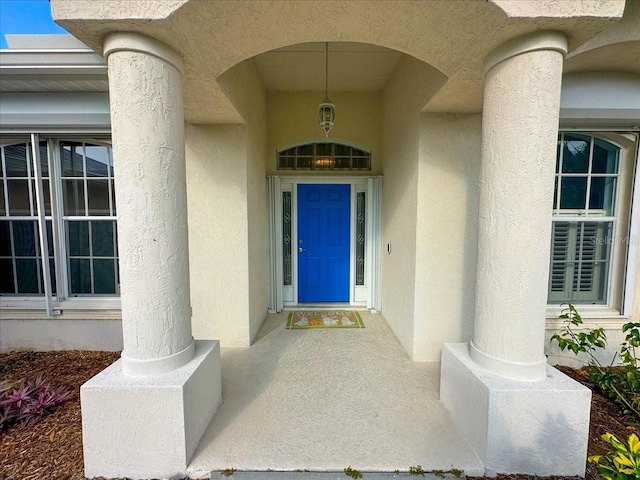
x=52, y=447
x=606, y=416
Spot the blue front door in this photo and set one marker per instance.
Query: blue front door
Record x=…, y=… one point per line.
x=323, y=242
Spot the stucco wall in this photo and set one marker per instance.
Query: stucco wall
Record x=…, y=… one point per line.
x=292, y=117
x=227, y=230
x=446, y=232
x=408, y=89
x=400, y=134
x=41, y=333
x=218, y=232
x=243, y=87
x=256, y=118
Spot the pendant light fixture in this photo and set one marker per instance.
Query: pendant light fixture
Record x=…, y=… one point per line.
x=326, y=110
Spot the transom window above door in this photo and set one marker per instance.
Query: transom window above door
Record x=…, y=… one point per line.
x=323, y=156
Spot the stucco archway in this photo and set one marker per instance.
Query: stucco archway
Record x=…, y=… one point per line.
x=212, y=37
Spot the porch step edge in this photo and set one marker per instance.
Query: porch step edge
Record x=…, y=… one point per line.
x=304, y=475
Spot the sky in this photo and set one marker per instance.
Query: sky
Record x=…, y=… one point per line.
x=26, y=16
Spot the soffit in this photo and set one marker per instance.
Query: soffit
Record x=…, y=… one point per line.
x=620, y=57
x=616, y=49
x=352, y=67
x=49, y=85
x=212, y=37
x=51, y=63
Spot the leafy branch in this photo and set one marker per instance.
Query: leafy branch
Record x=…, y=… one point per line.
x=622, y=384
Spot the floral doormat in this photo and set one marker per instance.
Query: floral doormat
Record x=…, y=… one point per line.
x=328, y=319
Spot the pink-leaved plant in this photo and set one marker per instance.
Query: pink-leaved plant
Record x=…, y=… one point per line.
x=29, y=402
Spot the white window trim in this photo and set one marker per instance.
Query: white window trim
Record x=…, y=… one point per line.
x=633, y=237
x=606, y=315
x=71, y=303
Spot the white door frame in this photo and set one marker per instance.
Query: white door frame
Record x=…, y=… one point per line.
x=279, y=295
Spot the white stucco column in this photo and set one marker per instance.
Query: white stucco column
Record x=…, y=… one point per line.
x=147, y=118
x=143, y=416
x=518, y=402
x=519, y=135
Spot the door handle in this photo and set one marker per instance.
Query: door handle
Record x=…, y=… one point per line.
x=300, y=250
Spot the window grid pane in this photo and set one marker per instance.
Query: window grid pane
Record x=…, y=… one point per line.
x=17, y=180
x=20, y=256
x=87, y=179
x=91, y=244
x=93, y=257
x=586, y=176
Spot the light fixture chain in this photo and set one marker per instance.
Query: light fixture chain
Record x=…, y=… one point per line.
x=326, y=76
x=326, y=112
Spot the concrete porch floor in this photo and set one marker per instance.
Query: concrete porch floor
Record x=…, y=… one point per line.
x=324, y=399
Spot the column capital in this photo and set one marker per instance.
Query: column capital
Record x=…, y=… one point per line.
x=135, y=42
x=542, y=40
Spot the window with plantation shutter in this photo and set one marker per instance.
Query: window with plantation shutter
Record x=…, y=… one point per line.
x=584, y=219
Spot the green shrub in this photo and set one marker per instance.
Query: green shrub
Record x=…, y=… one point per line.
x=622, y=463
x=619, y=383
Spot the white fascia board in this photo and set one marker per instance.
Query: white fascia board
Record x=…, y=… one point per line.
x=54, y=110
x=50, y=58
x=600, y=100
x=60, y=64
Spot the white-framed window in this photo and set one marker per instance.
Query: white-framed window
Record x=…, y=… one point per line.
x=591, y=208
x=77, y=182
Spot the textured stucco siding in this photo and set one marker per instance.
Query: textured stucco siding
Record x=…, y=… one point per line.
x=217, y=200
x=447, y=232
x=292, y=118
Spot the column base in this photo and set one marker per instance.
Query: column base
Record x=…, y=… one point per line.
x=536, y=428
x=149, y=427
x=527, y=372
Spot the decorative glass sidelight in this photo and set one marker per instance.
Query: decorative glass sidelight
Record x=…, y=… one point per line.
x=286, y=238
x=360, y=236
